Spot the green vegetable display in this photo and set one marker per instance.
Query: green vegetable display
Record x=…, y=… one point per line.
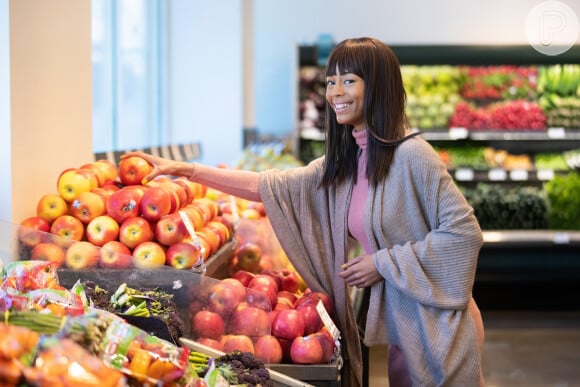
x=501, y=208
x=564, y=195
x=553, y=161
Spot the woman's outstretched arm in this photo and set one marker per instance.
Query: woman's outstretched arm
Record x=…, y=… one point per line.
x=240, y=183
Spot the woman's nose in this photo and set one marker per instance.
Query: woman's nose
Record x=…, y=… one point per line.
x=337, y=89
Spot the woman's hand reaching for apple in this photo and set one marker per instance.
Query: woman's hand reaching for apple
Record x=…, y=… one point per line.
x=162, y=166
x=360, y=272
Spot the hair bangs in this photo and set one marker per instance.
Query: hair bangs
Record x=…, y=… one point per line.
x=347, y=59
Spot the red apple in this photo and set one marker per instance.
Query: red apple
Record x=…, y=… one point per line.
x=260, y=299
x=306, y=350
x=82, y=255
x=68, y=227
x=288, y=324
x=291, y=297
x=224, y=297
x=195, y=216
x=289, y=279
x=48, y=251
x=228, y=220
x=139, y=189
x=73, y=181
x=99, y=172
x=312, y=320
x=209, y=207
x=268, y=349
x=220, y=229
x=196, y=188
x=283, y=303
x=188, y=188
x=51, y=206
x=33, y=230
x=211, y=238
x=327, y=344
x=250, y=213
x=169, y=229
x=266, y=284
x=134, y=231
x=258, y=206
x=206, y=323
x=249, y=255
x=133, y=169
x=183, y=255
x=108, y=169
x=149, y=255
x=237, y=342
x=204, y=208
x=101, y=230
x=250, y=321
x=204, y=246
x=243, y=276
x=155, y=203
x=179, y=190
x=324, y=297
x=123, y=204
x=211, y=343
x=87, y=206
x=115, y=255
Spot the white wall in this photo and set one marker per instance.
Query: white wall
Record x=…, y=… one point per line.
x=205, y=69
x=48, y=54
x=279, y=26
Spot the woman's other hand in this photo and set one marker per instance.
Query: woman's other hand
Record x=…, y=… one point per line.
x=360, y=272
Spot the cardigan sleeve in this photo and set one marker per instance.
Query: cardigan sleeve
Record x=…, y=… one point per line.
x=310, y=225
x=427, y=236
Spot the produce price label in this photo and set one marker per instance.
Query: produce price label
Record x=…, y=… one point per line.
x=556, y=133
x=458, y=133
x=519, y=175
x=328, y=323
x=464, y=174
x=497, y=174
x=545, y=174
x=561, y=238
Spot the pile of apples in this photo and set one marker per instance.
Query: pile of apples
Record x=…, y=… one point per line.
x=115, y=221
x=264, y=314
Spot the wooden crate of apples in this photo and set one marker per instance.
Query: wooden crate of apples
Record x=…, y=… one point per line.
x=102, y=216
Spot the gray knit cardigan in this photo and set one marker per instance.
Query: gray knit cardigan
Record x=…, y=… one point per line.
x=426, y=241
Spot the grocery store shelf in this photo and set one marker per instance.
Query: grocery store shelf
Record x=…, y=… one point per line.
x=531, y=238
x=498, y=175
x=461, y=55
x=549, y=134
x=455, y=134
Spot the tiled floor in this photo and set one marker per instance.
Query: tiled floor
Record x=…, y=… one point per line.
x=531, y=349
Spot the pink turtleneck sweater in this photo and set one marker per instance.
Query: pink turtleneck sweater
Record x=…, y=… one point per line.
x=356, y=212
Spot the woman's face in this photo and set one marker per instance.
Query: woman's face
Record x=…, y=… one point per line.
x=345, y=94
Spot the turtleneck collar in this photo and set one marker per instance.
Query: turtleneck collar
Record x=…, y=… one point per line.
x=360, y=137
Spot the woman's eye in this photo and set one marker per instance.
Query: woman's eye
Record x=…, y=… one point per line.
x=329, y=82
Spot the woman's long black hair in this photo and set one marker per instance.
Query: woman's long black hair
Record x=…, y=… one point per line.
x=384, y=109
